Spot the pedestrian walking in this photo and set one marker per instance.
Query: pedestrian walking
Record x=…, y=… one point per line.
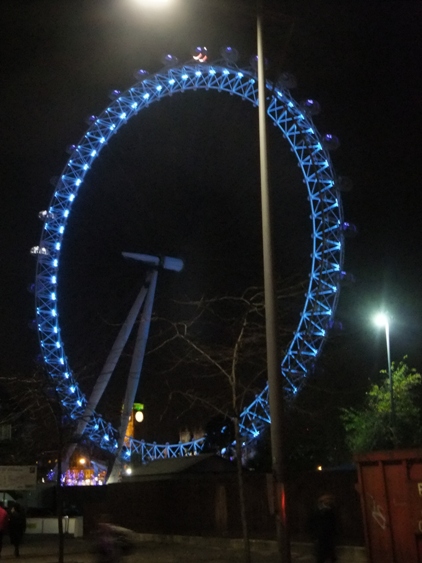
x=112, y=542
x=17, y=526
x=323, y=528
x=4, y=519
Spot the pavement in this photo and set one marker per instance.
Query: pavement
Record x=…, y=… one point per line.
x=174, y=549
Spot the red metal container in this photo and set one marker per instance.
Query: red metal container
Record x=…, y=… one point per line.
x=390, y=487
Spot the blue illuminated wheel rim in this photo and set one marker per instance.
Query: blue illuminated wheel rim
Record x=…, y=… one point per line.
x=312, y=153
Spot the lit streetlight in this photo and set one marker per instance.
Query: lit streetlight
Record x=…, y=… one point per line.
x=382, y=320
x=159, y=4
x=275, y=381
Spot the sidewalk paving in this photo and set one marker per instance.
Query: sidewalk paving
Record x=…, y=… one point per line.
x=163, y=549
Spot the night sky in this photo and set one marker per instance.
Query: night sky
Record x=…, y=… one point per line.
x=182, y=178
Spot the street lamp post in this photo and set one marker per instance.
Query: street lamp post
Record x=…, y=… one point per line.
x=275, y=380
x=382, y=320
x=275, y=383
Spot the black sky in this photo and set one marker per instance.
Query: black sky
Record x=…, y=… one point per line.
x=174, y=172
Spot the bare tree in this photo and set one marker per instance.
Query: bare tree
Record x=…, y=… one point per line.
x=38, y=422
x=222, y=345
x=25, y=407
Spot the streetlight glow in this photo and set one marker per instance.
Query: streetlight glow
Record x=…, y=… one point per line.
x=159, y=4
x=381, y=319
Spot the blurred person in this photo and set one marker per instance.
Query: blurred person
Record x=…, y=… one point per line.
x=17, y=526
x=323, y=528
x=112, y=542
x=4, y=519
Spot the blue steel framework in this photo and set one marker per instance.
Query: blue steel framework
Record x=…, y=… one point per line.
x=328, y=230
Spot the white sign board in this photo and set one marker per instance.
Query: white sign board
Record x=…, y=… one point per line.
x=18, y=477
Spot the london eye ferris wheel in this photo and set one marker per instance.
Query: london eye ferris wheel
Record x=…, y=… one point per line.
x=322, y=186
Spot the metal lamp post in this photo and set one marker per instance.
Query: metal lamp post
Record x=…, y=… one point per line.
x=275, y=381
x=382, y=320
